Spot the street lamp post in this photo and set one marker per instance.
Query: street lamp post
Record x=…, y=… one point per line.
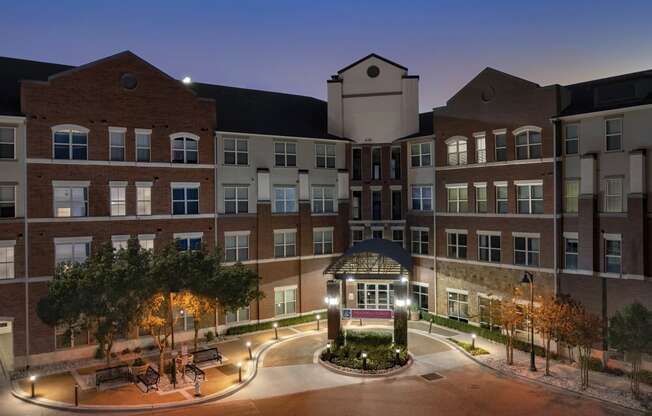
x=529, y=278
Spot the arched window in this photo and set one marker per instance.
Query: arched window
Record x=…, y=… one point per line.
x=456, y=150
x=185, y=148
x=528, y=142
x=70, y=142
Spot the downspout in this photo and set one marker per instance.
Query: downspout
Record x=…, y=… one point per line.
x=215, y=199
x=434, y=225
x=26, y=248
x=555, y=242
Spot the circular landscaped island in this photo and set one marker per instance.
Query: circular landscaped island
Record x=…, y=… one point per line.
x=367, y=353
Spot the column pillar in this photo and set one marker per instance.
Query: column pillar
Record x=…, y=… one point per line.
x=334, y=300
x=587, y=219
x=634, y=240
x=401, y=301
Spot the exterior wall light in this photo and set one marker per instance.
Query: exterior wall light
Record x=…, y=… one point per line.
x=186, y=80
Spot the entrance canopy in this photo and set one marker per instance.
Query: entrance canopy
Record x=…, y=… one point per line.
x=376, y=259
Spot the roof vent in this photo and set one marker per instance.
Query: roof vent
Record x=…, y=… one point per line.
x=128, y=81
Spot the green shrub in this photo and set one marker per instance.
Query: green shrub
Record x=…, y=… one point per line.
x=368, y=338
x=210, y=336
x=99, y=353
x=379, y=357
x=242, y=329
x=339, y=338
x=468, y=348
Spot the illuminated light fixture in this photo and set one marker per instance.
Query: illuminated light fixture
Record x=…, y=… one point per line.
x=327, y=300
x=364, y=355
x=186, y=80
x=32, y=378
x=239, y=372
x=333, y=301
x=408, y=301
x=400, y=303
x=350, y=279
x=404, y=279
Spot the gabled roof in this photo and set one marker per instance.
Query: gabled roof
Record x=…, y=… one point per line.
x=372, y=55
x=373, y=257
x=492, y=71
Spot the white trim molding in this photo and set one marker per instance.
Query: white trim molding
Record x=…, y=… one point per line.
x=86, y=162
x=63, y=184
x=487, y=232
x=523, y=129
x=529, y=235
x=285, y=230
x=454, y=139
x=184, y=184
x=63, y=127
x=528, y=182
x=455, y=231
x=117, y=129
x=188, y=235
x=494, y=164
x=183, y=134
x=236, y=233
x=498, y=265
x=67, y=240
x=7, y=243
x=572, y=235
x=499, y=131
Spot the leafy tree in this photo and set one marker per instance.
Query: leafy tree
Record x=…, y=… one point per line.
x=154, y=320
x=630, y=331
x=510, y=318
x=197, y=306
x=235, y=287
x=587, y=331
x=548, y=318
x=565, y=333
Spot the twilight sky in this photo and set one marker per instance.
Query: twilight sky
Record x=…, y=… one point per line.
x=294, y=46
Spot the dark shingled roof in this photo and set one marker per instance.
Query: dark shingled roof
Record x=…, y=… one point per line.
x=621, y=91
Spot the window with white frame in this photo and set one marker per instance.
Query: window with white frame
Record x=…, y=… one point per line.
x=613, y=195
x=489, y=247
x=325, y=155
x=143, y=145
x=375, y=296
x=7, y=259
x=285, y=199
x=456, y=150
x=118, y=192
x=480, y=149
x=481, y=198
x=612, y=253
x=71, y=251
x=77, y=336
x=420, y=241
x=117, y=143
x=236, y=199
x=395, y=163
x=7, y=143
x=188, y=241
x=488, y=311
x=185, y=150
x=500, y=145
x=526, y=250
x=571, y=195
x=322, y=240
x=285, y=300
x=528, y=145
x=236, y=152
x=185, y=199
x=285, y=154
x=285, y=243
x=457, y=243
x=236, y=246
x=529, y=198
x=458, y=305
x=458, y=198
x=323, y=199
x=502, y=203
x=420, y=295
x=119, y=242
x=146, y=241
x=357, y=235
x=422, y=198
x=420, y=154
x=7, y=201
x=143, y=198
x=571, y=253
x=239, y=315
x=70, y=201
x=613, y=134
x=71, y=143
x=572, y=139
x=397, y=235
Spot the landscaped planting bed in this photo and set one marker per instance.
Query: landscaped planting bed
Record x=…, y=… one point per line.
x=378, y=347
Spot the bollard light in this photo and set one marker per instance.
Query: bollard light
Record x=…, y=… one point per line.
x=275, y=330
x=318, y=317
x=328, y=347
x=249, y=348
x=76, y=394
x=398, y=356
x=32, y=380
x=364, y=360
x=239, y=372
x=472, y=341
x=430, y=328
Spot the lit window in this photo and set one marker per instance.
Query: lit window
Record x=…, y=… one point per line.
x=71, y=143
x=143, y=200
x=421, y=198
x=143, y=146
x=457, y=242
x=502, y=206
x=526, y=251
x=7, y=259
x=456, y=150
x=236, y=199
x=489, y=247
x=323, y=199
x=612, y=254
x=70, y=201
x=285, y=154
x=571, y=195
x=118, y=200
x=120, y=242
x=117, y=144
x=458, y=306
x=71, y=251
x=188, y=242
x=325, y=155
x=285, y=199
x=420, y=154
x=285, y=301
x=572, y=139
x=284, y=243
x=420, y=242
x=236, y=152
x=480, y=198
x=146, y=241
x=458, y=198
x=7, y=143
x=7, y=201
x=530, y=198
x=185, y=150
x=528, y=145
x=322, y=241
x=614, y=134
x=236, y=246
x=613, y=195
x=420, y=295
x=185, y=200
x=480, y=149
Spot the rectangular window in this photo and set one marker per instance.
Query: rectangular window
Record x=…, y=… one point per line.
x=458, y=306
x=457, y=152
x=397, y=212
x=146, y=241
x=376, y=205
x=420, y=242
x=571, y=195
x=188, y=242
x=71, y=201
x=355, y=205
x=613, y=195
x=375, y=296
x=7, y=260
x=570, y=253
x=117, y=144
x=185, y=200
x=322, y=241
x=236, y=199
x=143, y=200
x=526, y=251
x=323, y=199
x=185, y=150
x=612, y=254
x=7, y=201
x=528, y=145
x=489, y=248
x=143, y=146
x=240, y=315
x=572, y=139
x=457, y=242
x=285, y=199
x=397, y=235
x=395, y=163
x=530, y=198
x=285, y=300
x=70, y=144
x=480, y=198
x=73, y=252
x=377, y=233
x=613, y=134
x=489, y=309
x=502, y=205
x=285, y=154
x=119, y=242
x=422, y=198
x=356, y=164
x=325, y=155
x=420, y=296
x=236, y=152
x=357, y=235
x=420, y=154
x=65, y=337
x=458, y=198
x=118, y=200
x=501, y=147
x=284, y=243
x=480, y=149
x=7, y=143
x=236, y=246
x=376, y=163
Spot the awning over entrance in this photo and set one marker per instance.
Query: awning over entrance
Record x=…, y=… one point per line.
x=376, y=258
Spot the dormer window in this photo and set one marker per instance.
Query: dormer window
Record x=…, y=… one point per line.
x=528, y=142
x=456, y=149
x=70, y=142
x=185, y=148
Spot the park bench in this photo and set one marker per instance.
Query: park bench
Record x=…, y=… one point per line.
x=150, y=379
x=195, y=372
x=105, y=375
x=210, y=354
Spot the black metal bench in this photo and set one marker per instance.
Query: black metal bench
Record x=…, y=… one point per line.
x=150, y=379
x=195, y=372
x=210, y=354
x=105, y=375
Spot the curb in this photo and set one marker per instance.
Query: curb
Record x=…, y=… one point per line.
x=344, y=371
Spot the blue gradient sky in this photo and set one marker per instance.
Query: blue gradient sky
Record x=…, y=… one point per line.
x=294, y=46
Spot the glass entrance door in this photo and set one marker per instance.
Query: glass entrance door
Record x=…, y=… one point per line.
x=375, y=296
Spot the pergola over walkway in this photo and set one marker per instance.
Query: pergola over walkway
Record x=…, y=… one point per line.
x=371, y=259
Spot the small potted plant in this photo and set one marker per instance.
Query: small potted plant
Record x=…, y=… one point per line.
x=138, y=367
x=415, y=312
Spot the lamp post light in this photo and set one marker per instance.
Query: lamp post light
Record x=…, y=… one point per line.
x=318, y=317
x=275, y=330
x=472, y=341
x=248, y=344
x=239, y=372
x=32, y=380
x=364, y=360
x=529, y=278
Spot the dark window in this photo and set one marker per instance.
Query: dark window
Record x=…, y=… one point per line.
x=375, y=163
x=7, y=150
x=184, y=150
x=395, y=163
x=185, y=201
x=501, y=147
x=376, y=205
x=70, y=144
x=356, y=167
x=396, y=205
x=356, y=205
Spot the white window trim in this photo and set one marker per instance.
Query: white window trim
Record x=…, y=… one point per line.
x=526, y=235
x=181, y=236
x=146, y=236
x=501, y=183
x=7, y=243
x=120, y=237
x=458, y=291
x=492, y=233
x=72, y=240
x=15, y=137
x=420, y=165
x=612, y=237
x=71, y=184
x=184, y=184
x=528, y=182
x=622, y=128
x=524, y=129
x=571, y=235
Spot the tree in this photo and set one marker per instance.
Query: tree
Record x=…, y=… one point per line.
x=153, y=320
x=630, y=331
x=565, y=333
x=235, y=287
x=547, y=321
x=587, y=331
x=510, y=318
x=197, y=306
